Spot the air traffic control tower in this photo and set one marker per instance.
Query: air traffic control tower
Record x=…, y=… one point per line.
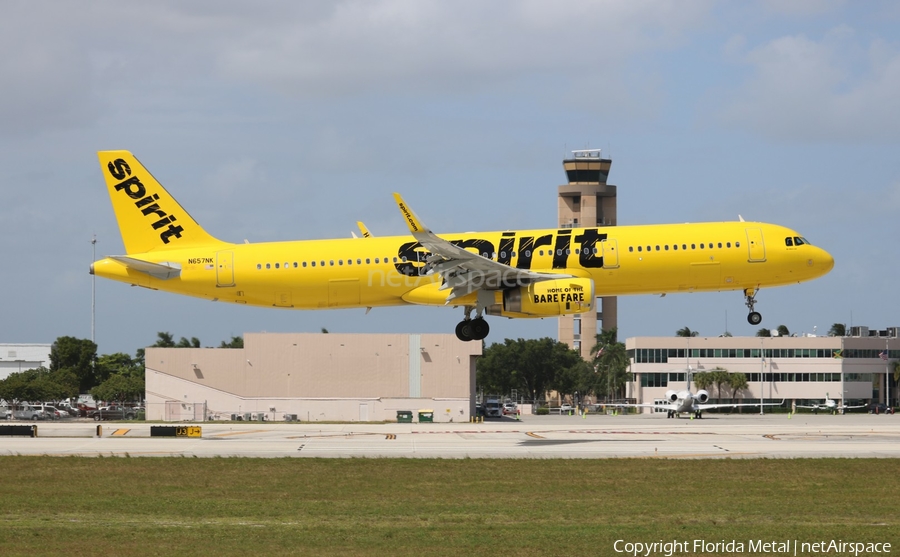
x=587, y=201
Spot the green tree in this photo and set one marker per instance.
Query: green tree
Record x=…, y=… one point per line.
x=838, y=330
x=610, y=361
x=703, y=380
x=185, y=343
x=530, y=364
x=686, y=332
x=119, y=388
x=77, y=356
x=235, y=342
x=719, y=378
x=764, y=332
x=783, y=331
x=738, y=383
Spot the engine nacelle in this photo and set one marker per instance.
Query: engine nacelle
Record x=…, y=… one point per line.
x=671, y=395
x=702, y=396
x=549, y=298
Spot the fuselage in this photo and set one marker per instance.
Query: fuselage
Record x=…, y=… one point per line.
x=385, y=271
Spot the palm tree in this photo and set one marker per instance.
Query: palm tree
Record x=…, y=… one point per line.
x=783, y=331
x=719, y=376
x=611, y=360
x=737, y=382
x=686, y=332
x=837, y=330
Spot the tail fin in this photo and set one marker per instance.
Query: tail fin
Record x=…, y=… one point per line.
x=149, y=217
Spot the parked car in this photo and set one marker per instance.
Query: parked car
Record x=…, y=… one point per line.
x=28, y=412
x=565, y=408
x=509, y=408
x=493, y=409
x=879, y=408
x=52, y=412
x=112, y=412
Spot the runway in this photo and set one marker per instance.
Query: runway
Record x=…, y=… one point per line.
x=594, y=436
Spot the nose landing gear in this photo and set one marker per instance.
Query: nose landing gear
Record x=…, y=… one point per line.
x=755, y=318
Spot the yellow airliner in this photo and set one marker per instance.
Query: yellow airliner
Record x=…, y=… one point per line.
x=522, y=273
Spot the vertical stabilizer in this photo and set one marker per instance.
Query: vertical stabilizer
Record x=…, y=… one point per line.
x=149, y=217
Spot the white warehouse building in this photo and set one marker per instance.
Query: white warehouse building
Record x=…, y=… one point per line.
x=21, y=357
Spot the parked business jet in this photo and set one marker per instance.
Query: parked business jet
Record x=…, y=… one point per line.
x=830, y=405
x=522, y=273
x=686, y=402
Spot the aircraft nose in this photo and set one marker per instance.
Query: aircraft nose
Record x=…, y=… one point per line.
x=824, y=261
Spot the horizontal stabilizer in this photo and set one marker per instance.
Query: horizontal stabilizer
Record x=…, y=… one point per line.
x=162, y=271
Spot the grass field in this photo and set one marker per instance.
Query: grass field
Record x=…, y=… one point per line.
x=236, y=506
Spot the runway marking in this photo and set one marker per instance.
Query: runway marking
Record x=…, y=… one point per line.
x=120, y=432
x=241, y=432
x=535, y=435
x=390, y=436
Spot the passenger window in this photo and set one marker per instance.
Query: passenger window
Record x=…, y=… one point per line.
x=503, y=254
x=376, y=260
x=268, y=265
x=737, y=244
x=640, y=248
x=720, y=245
x=657, y=248
x=404, y=258
x=368, y=261
x=693, y=246
x=630, y=248
x=286, y=265
x=276, y=265
x=349, y=262
x=304, y=264
x=789, y=241
x=259, y=266
x=331, y=263
x=648, y=248
x=295, y=265
x=667, y=247
x=701, y=246
x=675, y=247
x=683, y=246
x=321, y=263
x=728, y=245
x=395, y=260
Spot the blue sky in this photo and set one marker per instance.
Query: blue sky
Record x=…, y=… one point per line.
x=283, y=120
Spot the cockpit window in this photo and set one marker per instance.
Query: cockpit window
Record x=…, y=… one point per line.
x=800, y=241
x=789, y=241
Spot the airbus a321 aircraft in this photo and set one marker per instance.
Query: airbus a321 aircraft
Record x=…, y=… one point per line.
x=516, y=273
x=830, y=406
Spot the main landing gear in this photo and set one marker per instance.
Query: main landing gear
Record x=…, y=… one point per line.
x=755, y=318
x=472, y=329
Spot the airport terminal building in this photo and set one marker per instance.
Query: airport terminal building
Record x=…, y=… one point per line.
x=314, y=377
x=851, y=369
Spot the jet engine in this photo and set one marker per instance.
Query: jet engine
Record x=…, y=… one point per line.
x=547, y=298
x=671, y=396
x=702, y=396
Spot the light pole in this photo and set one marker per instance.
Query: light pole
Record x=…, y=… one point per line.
x=93, y=283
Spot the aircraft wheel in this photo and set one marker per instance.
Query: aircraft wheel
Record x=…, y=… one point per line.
x=464, y=330
x=480, y=328
x=755, y=318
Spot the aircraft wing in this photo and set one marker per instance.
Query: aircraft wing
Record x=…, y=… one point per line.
x=702, y=407
x=162, y=271
x=849, y=407
x=811, y=407
x=463, y=271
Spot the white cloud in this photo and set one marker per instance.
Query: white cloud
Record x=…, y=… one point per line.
x=833, y=89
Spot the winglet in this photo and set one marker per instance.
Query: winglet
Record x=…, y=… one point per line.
x=363, y=229
x=415, y=225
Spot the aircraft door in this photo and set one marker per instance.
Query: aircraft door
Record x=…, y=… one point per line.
x=610, y=251
x=755, y=245
x=224, y=268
